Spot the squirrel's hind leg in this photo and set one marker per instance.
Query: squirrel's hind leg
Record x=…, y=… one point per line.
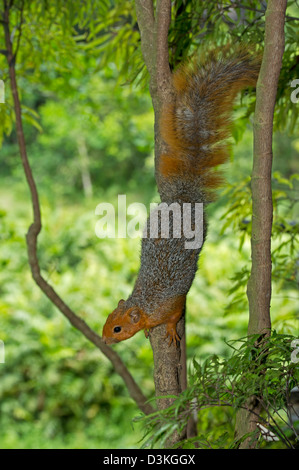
x=172, y=334
x=169, y=312
x=172, y=321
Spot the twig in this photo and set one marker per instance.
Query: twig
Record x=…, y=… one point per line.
x=245, y=7
x=20, y=29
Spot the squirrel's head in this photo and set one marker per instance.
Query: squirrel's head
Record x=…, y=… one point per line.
x=123, y=323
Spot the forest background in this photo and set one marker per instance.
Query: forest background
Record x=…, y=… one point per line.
x=88, y=123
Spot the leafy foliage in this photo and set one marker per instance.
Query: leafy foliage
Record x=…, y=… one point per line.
x=85, y=129
x=56, y=389
x=284, y=232
x=265, y=372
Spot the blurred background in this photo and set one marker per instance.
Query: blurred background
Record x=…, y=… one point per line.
x=90, y=138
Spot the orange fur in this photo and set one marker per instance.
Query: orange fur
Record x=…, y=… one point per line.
x=195, y=127
x=135, y=319
x=198, y=152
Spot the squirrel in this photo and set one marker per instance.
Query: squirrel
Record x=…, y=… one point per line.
x=195, y=126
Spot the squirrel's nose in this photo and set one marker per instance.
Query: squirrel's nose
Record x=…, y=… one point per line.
x=109, y=340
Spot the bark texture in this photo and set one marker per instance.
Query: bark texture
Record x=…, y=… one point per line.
x=169, y=362
x=259, y=284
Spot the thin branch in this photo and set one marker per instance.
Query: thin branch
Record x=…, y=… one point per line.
x=163, y=19
x=32, y=236
x=146, y=23
x=246, y=7
x=20, y=29
x=259, y=285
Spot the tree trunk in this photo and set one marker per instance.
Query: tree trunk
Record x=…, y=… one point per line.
x=169, y=362
x=259, y=284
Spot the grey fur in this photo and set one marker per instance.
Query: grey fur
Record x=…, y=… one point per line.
x=167, y=268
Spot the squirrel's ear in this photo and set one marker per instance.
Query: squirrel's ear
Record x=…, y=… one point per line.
x=121, y=302
x=135, y=315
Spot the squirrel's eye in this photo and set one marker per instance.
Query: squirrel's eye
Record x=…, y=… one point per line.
x=117, y=329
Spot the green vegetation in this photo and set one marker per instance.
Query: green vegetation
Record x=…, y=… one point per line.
x=56, y=389
x=90, y=137
x=218, y=387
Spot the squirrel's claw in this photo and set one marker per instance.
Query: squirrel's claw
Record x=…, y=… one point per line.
x=173, y=336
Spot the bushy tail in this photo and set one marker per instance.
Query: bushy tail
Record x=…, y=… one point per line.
x=196, y=125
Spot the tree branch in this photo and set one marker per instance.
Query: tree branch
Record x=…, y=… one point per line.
x=146, y=23
x=259, y=285
x=32, y=237
x=20, y=29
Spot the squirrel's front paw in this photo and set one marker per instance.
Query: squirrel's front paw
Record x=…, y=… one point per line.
x=172, y=335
